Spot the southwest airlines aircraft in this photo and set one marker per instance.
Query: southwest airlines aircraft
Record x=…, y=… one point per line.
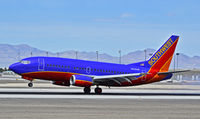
x=66, y=72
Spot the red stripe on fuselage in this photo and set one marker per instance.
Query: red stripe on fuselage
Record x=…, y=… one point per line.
x=83, y=83
x=49, y=75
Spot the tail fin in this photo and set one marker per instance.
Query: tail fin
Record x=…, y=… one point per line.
x=161, y=59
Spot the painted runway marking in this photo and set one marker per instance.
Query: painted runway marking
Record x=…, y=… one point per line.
x=96, y=97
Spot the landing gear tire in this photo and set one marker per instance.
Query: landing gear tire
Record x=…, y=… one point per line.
x=87, y=90
x=98, y=90
x=30, y=84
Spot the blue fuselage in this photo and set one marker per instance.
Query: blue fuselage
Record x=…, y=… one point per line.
x=37, y=64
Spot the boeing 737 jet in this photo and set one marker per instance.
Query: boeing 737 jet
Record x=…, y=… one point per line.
x=66, y=72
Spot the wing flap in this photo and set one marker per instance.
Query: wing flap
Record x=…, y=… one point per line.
x=117, y=78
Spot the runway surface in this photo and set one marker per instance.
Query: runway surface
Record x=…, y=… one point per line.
x=98, y=108
x=151, y=102
x=77, y=93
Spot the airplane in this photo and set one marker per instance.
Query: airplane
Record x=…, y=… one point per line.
x=83, y=73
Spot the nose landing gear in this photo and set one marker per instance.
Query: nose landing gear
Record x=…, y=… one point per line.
x=30, y=84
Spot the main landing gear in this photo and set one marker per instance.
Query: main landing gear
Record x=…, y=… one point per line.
x=97, y=90
x=87, y=90
x=30, y=84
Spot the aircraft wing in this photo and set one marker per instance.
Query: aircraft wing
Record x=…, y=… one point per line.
x=171, y=72
x=116, y=78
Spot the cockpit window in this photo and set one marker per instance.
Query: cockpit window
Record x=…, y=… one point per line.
x=25, y=62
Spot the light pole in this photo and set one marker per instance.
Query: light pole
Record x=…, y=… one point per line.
x=178, y=76
x=177, y=59
x=47, y=53
x=119, y=56
x=76, y=54
x=19, y=56
x=97, y=55
x=145, y=54
x=174, y=62
x=174, y=68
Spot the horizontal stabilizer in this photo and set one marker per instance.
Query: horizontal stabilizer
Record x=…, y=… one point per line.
x=171, y=72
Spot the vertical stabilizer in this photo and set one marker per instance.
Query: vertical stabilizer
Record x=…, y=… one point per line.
x=161, y=59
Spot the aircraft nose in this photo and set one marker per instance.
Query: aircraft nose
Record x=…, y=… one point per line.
x=14, y=67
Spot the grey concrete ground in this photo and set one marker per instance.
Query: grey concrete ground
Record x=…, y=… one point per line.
x=46, y=101
x=77, y=93
x=98, y=108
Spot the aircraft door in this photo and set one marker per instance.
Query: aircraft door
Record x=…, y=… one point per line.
x=41, y=64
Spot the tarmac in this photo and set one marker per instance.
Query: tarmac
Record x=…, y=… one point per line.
x=77, y=93
x=98, y=108
x=44, y=100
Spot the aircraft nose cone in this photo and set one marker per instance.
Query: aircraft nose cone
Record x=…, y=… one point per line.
x=13, y=67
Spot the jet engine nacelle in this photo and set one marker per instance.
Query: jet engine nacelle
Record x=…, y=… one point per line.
x=61, y=83
x=80, y=80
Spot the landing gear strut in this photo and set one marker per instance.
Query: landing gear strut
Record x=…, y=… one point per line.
x=30, y=84
x=87, y=90
x=98, y=90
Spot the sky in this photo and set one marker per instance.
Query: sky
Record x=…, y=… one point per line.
x=106, y=26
